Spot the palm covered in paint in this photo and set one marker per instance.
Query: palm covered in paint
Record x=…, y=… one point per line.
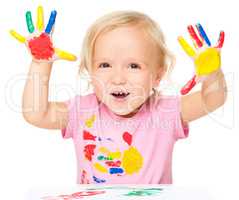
x=206, y=58
x=39, y=41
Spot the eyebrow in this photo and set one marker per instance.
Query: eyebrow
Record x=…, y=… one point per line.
x=128, y=59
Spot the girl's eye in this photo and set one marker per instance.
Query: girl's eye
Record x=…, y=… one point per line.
x=134, y=66
x=104, y=65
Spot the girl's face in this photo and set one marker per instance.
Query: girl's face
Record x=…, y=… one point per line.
x=124, y=69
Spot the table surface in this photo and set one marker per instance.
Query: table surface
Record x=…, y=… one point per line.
x=117, y=192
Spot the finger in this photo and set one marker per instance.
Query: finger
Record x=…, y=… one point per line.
x=221, y=40
x=194, y=36
x=65, y=55
x=17, y=36
x=30, y=25
x=186, y=47
x=40, y=18
x=188, y=86
x=203, y=34
x=51, y=22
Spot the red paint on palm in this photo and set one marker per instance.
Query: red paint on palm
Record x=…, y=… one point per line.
x=41, y=47
x=127, y=138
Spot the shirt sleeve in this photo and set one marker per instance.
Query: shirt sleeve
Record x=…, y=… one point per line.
x=181, y=128
x=68, y=131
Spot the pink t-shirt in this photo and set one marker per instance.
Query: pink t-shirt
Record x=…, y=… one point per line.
x=112, y=149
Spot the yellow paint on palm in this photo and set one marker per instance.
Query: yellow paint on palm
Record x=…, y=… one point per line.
x=207, y=61
x=114, y=155
x=89, y=122
x=132, y=160
x=100, y=168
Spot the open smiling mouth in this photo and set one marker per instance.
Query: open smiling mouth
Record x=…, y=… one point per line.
x=120, y=95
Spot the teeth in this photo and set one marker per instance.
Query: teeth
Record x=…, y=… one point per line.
x=119, y=93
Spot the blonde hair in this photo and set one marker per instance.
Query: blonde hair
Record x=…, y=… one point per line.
x=117, y=19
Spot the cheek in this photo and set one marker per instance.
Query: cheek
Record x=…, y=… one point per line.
x=143, y=83
x=99, y=83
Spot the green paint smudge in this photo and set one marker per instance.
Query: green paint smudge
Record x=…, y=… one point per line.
x=144, y=192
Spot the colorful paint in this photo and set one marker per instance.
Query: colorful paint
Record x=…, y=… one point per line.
x=89, y=151
x=207, y=59
x=88, y=136
x=109, y=192
x=132, y=160
x=39, y=42
x=89, y=122
x=98, y=180
x=101, y=159
x=51, y=22
x=41, y=47
x=127, y=138
x=77, y=195
x=144, y=192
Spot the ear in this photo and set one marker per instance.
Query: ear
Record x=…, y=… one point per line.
x=159, y=76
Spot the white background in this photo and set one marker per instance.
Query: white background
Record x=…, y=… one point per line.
x=31, y=156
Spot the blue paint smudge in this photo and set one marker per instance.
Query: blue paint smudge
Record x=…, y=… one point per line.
x=116, y=170
x=98, y=180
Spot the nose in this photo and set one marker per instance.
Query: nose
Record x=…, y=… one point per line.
x=118, y=76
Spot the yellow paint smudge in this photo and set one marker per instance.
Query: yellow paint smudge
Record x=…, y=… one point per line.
x=100, y=168
x=89, y=122
x=132, y=160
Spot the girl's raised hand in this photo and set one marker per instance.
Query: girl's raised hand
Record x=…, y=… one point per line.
x=206, y=58
x=39, y=42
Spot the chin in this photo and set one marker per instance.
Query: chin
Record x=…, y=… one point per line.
x=117, y=112
x=124, y=113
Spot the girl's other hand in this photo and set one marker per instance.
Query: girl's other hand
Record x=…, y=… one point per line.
x=206, y=58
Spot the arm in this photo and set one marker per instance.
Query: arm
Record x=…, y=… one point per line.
x=211, y=96
x=207, y=62
x=37, y=110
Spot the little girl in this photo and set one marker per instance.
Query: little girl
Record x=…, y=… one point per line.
x=125, y=131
